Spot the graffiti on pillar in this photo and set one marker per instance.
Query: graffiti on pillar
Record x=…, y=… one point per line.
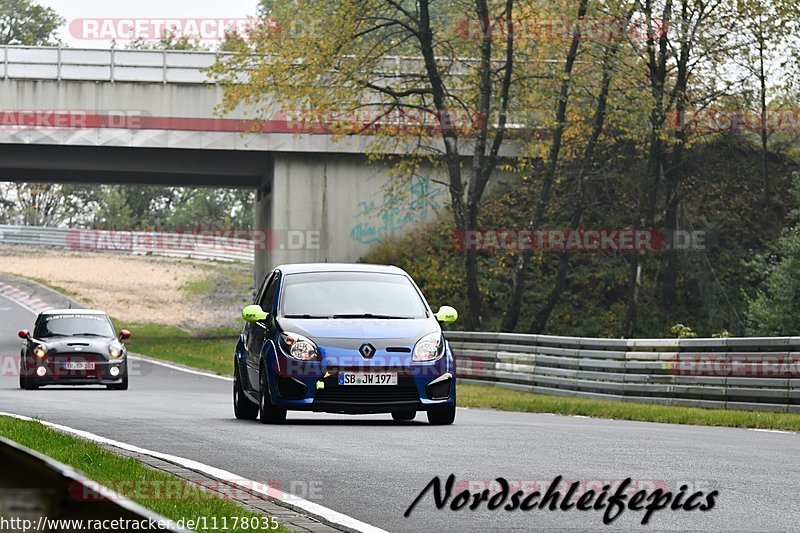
x=376, y=220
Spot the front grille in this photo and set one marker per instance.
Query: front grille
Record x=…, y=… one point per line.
x=63, y=357
x=55, y=363
x=404, y=391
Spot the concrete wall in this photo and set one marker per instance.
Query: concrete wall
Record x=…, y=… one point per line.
x=345, y=201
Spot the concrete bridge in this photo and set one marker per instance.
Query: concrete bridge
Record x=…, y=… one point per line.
x=148, y=117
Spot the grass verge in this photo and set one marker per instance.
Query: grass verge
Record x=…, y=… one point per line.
x=482, y=396
x=103, y=466
x=210, y=350
x=196, y=287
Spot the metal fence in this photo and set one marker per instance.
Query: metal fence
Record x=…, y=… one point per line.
x=754, y=373
x=194, y=245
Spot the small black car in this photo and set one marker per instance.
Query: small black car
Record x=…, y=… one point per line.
x=73, y=347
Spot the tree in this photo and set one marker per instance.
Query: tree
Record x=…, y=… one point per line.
x=554, y=153
x=351, y=71
x=39, y=204
x=775, y=309
x=169, y=40
x=24, y=22
x=765, y=43
x=678, y=50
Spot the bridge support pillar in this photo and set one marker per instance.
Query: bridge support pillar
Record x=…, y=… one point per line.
x=317, y=207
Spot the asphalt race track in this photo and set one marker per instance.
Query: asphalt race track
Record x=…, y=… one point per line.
x=372, y=468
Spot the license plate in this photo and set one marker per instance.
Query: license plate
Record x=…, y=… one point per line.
x=74, y=365
x=368, y=378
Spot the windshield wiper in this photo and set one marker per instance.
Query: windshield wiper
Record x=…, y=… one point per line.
x=370, y=315
x=88, y=335
x=305, y=316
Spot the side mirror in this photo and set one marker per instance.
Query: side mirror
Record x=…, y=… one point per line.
x=124, y=334
x=23, y=334
x=253, y=313
x=446, y=314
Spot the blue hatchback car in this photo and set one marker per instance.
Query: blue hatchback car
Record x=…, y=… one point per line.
x=343, y=338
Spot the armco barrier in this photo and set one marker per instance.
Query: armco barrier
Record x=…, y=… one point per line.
x=754, y=373
x=169, y=244
x=34, y=487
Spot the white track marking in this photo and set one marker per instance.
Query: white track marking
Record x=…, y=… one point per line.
x=295, y=502
x=5, y=294
x=179, y=368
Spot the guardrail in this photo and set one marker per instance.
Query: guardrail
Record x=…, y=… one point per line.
x=199, y=245
x=753, y=373
x=34, y=487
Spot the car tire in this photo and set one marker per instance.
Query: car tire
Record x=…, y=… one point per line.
x=442, y=417
x=26, y=382
x=270, y=414
x=404, y=415
x=243, y=408
x=119, y=386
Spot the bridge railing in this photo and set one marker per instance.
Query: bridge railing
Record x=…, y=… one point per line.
x=155, y=66
x=90, y=64
x=754, y=373
x=195, y=245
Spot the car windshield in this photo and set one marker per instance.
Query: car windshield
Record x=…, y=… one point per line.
x=78, y=325
x=351, y=295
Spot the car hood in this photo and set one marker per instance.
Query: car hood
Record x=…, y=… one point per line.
x=360, y=328
x=76, y=344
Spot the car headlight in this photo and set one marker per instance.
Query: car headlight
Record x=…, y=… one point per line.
x=40, y=352
x=429, y=348
x=115, y=351
x=299, y=347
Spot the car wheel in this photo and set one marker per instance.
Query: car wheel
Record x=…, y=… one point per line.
x=404, y=415
x=442, y=417
x=243, y=408
x=270, y=414
x=26, y=382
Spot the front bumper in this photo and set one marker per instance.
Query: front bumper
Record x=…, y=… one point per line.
x=56, y=373
x=315, y=387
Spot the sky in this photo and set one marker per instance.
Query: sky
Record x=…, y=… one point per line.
x=141, y=9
